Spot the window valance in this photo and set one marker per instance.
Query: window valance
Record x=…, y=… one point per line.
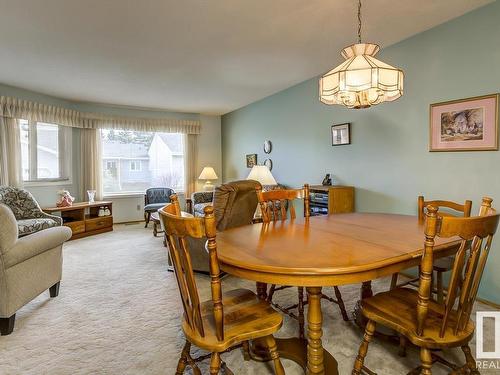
x=17, y=108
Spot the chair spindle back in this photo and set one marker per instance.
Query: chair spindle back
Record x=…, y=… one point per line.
x=277, y=204
x=465, y=208
x=476, y=234
x=177, y=228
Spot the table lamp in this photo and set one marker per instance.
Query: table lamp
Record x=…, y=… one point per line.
x=208, y=174
x=262, y=174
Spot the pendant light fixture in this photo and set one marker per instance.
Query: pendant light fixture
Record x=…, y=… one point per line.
x=361, y=81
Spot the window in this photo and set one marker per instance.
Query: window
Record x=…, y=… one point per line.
x=110, y=165
x=135, y=161
x=45, y=151
x=135, y=165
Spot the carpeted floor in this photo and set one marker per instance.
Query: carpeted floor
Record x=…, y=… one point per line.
x=118, y=312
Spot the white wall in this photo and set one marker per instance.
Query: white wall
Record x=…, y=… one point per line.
x=210, y=147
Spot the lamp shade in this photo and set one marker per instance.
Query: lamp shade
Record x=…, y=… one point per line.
x=262, y=174
x=208, y=173
x=361, y=80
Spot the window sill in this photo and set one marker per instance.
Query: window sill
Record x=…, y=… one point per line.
x=130, y=195
x=47, y=183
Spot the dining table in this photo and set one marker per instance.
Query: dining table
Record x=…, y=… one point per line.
x=321, y=251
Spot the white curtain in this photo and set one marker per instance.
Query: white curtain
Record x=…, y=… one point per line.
x=190, y=163
x=91, y=163
x=18, y=108
x=10, y=152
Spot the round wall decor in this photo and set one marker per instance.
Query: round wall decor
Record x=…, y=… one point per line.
x=268, y=147
x=269, y=164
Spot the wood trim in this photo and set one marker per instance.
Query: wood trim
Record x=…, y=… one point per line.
x=90, y=233
x=76, y=206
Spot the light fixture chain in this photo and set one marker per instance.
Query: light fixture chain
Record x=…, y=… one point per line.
x=359, y=21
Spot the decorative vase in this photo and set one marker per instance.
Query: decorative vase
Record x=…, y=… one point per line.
x=91, y=194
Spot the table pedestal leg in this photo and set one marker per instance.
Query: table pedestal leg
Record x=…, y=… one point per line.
x=262, y=290
x=314, y=333
x=366, y=292
x=309, y=354
x=259, y=348
x=360, y=320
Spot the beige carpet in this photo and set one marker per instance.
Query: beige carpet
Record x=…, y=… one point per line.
x=118, y=312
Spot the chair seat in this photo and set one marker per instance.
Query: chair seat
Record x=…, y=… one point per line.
x=153, y=207
x=443, y=264
x=397, y=309
x=29, y=226
x=245, y=317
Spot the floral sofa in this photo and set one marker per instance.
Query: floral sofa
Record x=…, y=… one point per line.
x=200, y=200
x=29, y=216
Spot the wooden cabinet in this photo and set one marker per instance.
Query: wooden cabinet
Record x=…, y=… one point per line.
x=83, y=218
x=331, y=199
x=97, y=223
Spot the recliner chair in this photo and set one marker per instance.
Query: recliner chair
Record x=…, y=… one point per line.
x=234, y=205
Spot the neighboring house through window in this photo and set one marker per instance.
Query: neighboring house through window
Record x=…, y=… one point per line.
x=45, y=151
x=110, y=165
x=135, y=165
x=135, y=161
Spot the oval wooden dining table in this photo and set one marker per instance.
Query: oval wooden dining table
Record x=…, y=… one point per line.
x=323, y=251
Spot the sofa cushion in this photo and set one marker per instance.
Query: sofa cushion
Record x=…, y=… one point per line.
x=20, y=201
x=28, y=226
x=153, y=207
x=202, y=197
x=199, y=209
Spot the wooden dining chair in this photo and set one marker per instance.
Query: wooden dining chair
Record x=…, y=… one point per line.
x=441, y=265
x=279, y=205
x=414, y=314
x=225, y=322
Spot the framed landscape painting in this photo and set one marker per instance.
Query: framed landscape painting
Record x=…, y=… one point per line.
x=465, y=125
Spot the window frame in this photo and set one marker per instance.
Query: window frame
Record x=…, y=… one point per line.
x=136, y=194
x=113, y=164
x=65, y=144
x=133, y=162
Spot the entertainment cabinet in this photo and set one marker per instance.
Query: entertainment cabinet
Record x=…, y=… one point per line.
x=331, y=199
x=83, y=218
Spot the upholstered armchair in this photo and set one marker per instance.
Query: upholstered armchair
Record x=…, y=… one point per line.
x=29, y=216
x=234, y=205
x=154, y=199
x=199, y=200
x=28, y=265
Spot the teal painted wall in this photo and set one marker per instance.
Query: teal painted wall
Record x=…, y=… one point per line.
x=388, y=161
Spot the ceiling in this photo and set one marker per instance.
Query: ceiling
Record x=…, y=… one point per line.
x=199, y=56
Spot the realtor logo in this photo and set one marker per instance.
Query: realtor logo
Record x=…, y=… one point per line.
x=480, y=353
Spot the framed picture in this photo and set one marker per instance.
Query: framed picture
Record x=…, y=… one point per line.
x=251, y=160
x=341, y=134
x=464, y=125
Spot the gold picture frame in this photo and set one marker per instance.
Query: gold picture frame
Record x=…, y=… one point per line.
x=469, y=124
